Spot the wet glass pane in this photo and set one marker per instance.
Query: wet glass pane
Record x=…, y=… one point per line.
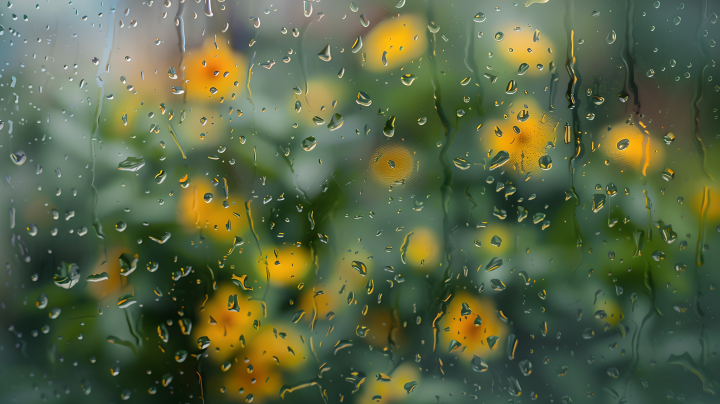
x=349, y=202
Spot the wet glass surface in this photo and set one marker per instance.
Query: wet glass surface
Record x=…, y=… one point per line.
x=391, y=201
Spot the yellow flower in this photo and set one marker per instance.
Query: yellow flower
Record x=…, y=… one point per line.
x=390, y=163
x=424, y=245
x=635, y=155
x=526, y=148
x=289, y=267
x=222, y=68
x=194, y=213
x=396, y=37
x=262, y=356
x=392, y=391
x=464, y=330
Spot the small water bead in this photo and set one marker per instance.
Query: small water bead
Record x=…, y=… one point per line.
x=545, y=162
x=623, y=144
x=499, y=36
x=479, y=17
x=612, y=36
x=656, y=4
x=677, y=20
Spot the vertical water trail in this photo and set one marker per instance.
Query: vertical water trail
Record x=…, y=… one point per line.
x=553, y=85
x=105, y=63
x=635, y=355
x=446, y=190
x=698, y=94
x=303, y=56
x=699, y=260
x=180, y=23
x=252, y=227
x=648, y=207
x=472, y=66
x=574, y=105
x=249, y=77
x=626, y=53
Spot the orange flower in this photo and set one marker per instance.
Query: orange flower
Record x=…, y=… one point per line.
x=289, y=267
x=207, y=68
x=194, y=213
x=396, y=37
x=464, y=330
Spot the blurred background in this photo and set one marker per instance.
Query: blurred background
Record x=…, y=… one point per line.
x=382, y=201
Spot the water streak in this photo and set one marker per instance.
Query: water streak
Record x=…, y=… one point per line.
x=107, y=51
x=698, y=94
x=627, y=55
x=252, y=227
x=699, y=259
x=472, y=66
x=572, y=94
x=249, y=77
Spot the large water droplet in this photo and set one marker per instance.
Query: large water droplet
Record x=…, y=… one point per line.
x=612, y=36
x=407, y=79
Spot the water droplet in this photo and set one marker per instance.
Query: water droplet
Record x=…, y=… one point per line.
x=407, y=79
x=357, y=45
x=336, y=122
x=364, y=20
x=360, y=267
x=523, y=68
x=309, y=143
x=623, y=144
x=499, y=36
x=324, y=54
x=389, y=129
x=500, y=158
x=677, y=20
x=545, y=162
x=18, y=158
x=612, y=36
x=478, y=364
x=461, y=163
